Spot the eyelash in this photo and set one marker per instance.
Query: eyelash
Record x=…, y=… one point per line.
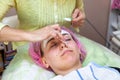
x=55, y=43
x=68, y=39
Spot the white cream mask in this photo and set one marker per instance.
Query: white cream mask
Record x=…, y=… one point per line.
x=46, y=40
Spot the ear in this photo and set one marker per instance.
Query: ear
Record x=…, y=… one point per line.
x=80, y=53
x=45, y=62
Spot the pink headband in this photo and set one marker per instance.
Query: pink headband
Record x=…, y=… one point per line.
x=35, y=52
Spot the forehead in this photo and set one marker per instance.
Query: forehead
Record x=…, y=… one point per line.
x=64, y=32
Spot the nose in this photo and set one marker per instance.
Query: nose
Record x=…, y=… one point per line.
x=63, y=44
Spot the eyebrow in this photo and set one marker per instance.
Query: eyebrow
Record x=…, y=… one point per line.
x=50, y=40
x=54, y=38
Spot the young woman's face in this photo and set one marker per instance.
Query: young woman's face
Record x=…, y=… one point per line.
x=61, y=55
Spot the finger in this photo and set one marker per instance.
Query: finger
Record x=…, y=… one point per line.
x=79, y=17
x=78, y=20
x=55, y=34
x=78, y=24
x=56, y=27
x=75, y=13
x=59, y=36
x=82, y=21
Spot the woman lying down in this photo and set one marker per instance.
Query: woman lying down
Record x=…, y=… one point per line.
x=61, y=52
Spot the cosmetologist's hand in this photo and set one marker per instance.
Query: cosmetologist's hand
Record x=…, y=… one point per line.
x=78, y=18
x=46, y=32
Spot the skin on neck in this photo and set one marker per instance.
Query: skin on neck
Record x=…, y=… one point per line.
x=64, y=72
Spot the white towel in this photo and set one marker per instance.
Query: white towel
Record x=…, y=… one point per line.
x=91, y=72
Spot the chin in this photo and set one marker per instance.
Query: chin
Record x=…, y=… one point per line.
x=71, y=59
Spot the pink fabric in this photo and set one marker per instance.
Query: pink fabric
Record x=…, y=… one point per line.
x=35, y=53
x=116, y=4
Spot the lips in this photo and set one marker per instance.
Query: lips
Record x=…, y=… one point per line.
x=66, y=52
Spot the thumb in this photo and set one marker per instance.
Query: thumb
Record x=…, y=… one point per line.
x=75, y=13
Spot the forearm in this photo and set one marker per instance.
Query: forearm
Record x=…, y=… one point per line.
x=9, y=34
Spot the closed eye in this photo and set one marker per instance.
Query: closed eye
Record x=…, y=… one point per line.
x=69, y=39
x=54, y=44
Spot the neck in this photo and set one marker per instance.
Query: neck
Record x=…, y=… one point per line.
x=68, y=70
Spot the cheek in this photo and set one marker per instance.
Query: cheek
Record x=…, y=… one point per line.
x=74, y=46
x=51, y=54
x=51, y=57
